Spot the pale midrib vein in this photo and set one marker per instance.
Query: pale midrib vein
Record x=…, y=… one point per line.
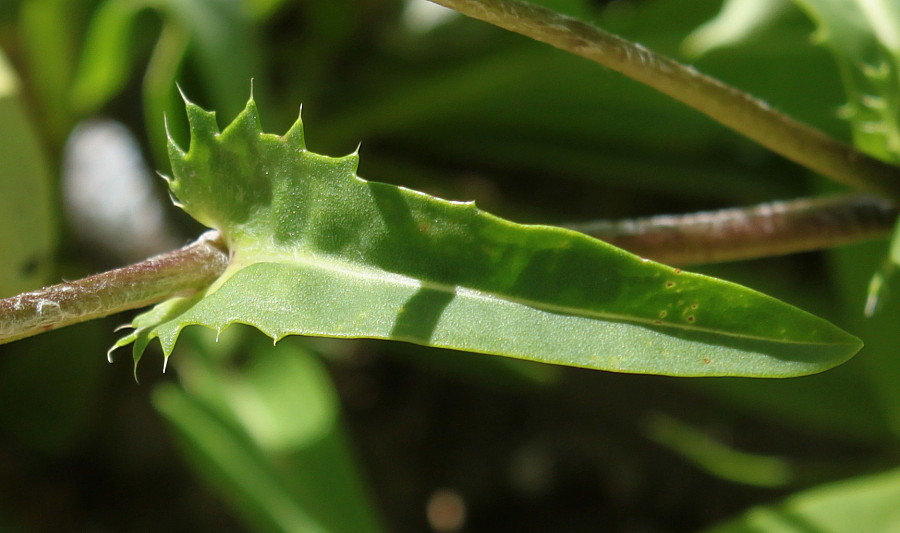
x=329, y=263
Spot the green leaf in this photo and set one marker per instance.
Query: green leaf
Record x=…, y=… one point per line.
x=267, y=436
x=853, y=266
x=49, y=34
x=717, y=458
x=317, y=250
x=864, y=36
x=230, y=460
x=217, y=28
x=862, y=504
x=27, y=225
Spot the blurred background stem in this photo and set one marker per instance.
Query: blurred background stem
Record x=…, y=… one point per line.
x=735, y=109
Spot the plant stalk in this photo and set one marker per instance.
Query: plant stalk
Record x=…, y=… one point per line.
x=708, y=237
x=762, y=230
x=739, y=111
x=179, y=272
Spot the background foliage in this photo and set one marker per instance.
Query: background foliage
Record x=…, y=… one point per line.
x=369, y=436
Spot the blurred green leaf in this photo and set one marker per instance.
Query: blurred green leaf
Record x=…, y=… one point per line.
x=716, y=458
x=261, y=9
x=50, y=31
x=883, y=276
x=108, y=53
x=268, y=438
x=27, y=222
x=228, y=459
x=864, y=36
x=853, y=267
x=861, y=504
x=216, y=33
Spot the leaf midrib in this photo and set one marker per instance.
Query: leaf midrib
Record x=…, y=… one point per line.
x=248, y=256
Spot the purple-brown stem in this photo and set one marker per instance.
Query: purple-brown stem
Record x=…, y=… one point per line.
x=764, y=230
x=170, y=274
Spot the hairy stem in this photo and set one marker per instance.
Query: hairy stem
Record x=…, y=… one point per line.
x=737, y=110
x=178, y=272
x=763, y=230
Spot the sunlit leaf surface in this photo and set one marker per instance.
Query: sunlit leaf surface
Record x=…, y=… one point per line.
x=319, y=251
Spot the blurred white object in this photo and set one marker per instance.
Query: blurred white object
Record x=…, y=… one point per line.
x=737, y=20
x=108, y=193
x=420, y=16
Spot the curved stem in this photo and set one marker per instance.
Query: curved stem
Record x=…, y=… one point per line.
x=737, y=110
x=185, y=270
x=763, y=230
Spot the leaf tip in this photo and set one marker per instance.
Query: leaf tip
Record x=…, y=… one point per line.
x=247, y=120
x=124, y=341
x=181, y=92
x=294, y=136
x=109, y=353
x=175, y=151
x=202, y=122
x=172, y=198
x=165, y=177
x=349, y=162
